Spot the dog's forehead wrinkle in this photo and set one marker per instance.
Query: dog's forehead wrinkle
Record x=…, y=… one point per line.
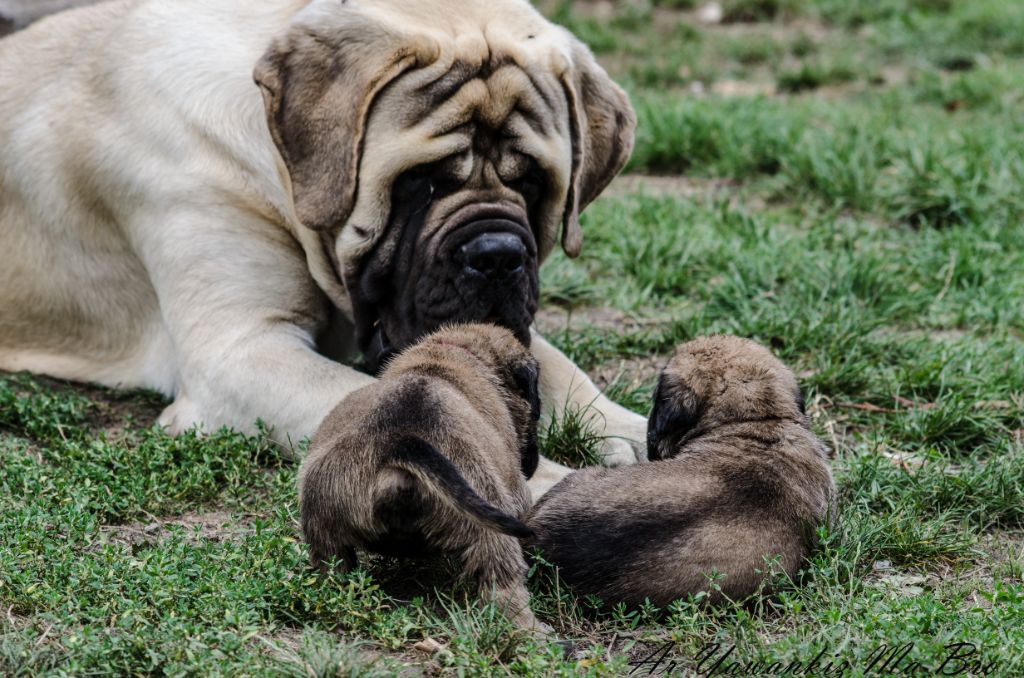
x=465, y=94
x=443, y=87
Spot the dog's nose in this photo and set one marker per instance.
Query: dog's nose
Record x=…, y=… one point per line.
x=494, y=255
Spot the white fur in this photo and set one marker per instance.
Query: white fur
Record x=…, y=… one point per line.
x=147, y=232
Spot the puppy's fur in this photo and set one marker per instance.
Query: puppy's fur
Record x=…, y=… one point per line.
x=433, y=458
x=742, y=479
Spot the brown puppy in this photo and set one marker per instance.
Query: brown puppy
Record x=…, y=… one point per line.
x=742, y=479
x=433, y=458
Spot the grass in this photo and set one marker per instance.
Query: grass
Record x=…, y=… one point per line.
x=844, y=184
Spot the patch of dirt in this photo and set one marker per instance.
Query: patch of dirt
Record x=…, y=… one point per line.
x=286, y=647
x=598, y=9
x=1002, y=551
x=212, y=526
x=285, y=639
x=742, y=88
x=114, y=411
x=633, y=372
x=670, y=186
x=904, y=583
x=777, y=30
x=13, y=620
x=1003, y=546
x=117, y=411
x=999, y=552
x=558, y=319
x=606, y=10
x=895, y=74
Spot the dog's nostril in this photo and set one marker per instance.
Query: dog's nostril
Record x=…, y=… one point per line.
x=494, y=255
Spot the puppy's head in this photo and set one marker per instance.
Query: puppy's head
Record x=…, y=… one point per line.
x=438, y=147
x=503, y=361
x=718, y=380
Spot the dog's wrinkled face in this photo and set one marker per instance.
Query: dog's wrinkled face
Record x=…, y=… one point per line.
x=438, y=147
x=459, y=246
x=717, y=380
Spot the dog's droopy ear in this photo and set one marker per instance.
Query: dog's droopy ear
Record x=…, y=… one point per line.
x=674, y=413
x=527, y=379
x=603, y=124
x=318, y=83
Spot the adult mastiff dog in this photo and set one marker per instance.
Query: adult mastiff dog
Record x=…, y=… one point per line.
x=15, y=14
x=210, y=197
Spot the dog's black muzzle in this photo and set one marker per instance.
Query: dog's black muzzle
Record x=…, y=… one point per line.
x=485, y=270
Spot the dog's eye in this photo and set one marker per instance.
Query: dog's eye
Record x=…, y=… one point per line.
x=530, y=186
x=432, y=180
x=414, y=184
x=445, y=181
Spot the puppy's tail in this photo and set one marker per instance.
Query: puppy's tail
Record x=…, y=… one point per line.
x=434, y=470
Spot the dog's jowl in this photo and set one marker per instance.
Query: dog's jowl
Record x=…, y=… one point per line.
x=737, y=489
x=433, y=458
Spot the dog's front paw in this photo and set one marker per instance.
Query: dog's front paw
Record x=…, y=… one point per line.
x=180, y=416
x=618, y=452
x=625, y=436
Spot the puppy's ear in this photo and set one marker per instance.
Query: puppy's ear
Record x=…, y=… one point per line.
x=527, y=378
x=318, y=83
x=529, y=453
x=801, y=401
x=603, y=124
x=674, y=413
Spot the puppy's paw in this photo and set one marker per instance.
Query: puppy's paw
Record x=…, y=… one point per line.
x=180, y=416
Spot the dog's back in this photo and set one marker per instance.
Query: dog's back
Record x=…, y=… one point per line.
x=432, y=458
x=743, y=481
x=100, y=130
x=660, y=530
x=408, y=449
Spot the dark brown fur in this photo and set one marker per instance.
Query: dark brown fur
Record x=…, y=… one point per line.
x=432, y=458
x=742, y=480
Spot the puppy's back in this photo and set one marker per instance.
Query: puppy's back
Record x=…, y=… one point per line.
x=659, y=531
x=741, y=478
x=389, y=458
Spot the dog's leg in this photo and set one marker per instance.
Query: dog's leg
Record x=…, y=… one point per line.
x=273, y=377
x=547, y=475
x=496, y=563
x=349, y=559
x=241, y=310
x=564, y=385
